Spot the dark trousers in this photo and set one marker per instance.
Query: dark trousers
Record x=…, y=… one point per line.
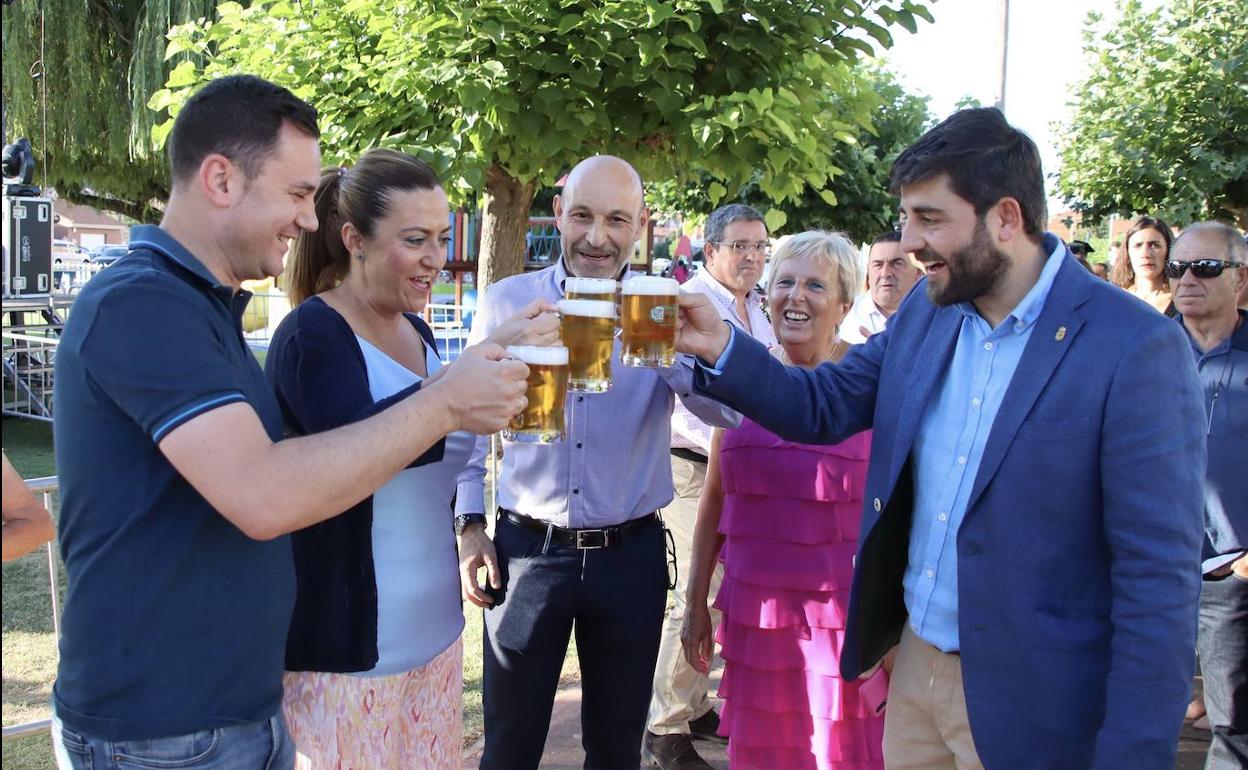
x=1223, y=646
x=613, y=599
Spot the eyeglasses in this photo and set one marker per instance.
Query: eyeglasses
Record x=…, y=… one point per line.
x=741, y=248
x=1201, y=268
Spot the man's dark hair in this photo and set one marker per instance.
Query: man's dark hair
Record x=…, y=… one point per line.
x=240, y=117
x=892, y=236
x=986, y=160
x=723, y=216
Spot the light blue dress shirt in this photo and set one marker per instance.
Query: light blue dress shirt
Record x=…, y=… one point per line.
x=948, y=449
x=615, y=464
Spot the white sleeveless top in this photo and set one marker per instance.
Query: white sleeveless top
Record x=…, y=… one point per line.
x=414, y=555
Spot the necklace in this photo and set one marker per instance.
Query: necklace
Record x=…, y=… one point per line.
x=836, y=347
x=1223, y=380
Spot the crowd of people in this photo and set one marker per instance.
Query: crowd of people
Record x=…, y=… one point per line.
x=976, y=508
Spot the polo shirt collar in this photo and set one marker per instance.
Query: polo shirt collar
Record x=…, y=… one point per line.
x=161, y=242
x=1237, y=341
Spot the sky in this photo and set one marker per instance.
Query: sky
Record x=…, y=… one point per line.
x=959, y=55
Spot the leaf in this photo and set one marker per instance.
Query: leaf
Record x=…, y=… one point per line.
x=828, y=196
x=567, y=22
x=717, y=192
x=182, y=75
x=775, y=219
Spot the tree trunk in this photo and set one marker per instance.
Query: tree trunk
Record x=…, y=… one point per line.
x=504, y=222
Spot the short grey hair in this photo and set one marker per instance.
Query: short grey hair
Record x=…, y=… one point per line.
x=833, y=248
x=1236, y=247
x=723, y=216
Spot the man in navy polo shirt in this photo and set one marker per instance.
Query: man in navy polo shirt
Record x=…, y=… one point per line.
x=177, y=489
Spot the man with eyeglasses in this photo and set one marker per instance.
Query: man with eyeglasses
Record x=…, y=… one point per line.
x=680, y=712
x=891, y=273
x=1208, y=268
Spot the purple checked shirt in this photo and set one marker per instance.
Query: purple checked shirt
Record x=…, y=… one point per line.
x=615, y=464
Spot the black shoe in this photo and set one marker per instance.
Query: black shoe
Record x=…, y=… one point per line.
x=672, y=752
x=706, y=728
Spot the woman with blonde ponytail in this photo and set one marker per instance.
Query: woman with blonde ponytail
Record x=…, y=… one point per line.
x=373, y=656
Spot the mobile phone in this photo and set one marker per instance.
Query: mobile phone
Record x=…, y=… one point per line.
x=874, y=692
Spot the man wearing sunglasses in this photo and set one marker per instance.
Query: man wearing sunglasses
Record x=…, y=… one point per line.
x=1030, y=535
x=1208, y=268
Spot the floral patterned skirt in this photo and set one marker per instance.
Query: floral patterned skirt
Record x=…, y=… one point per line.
x=409, y=720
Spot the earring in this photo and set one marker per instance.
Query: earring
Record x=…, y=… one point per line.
x=359, y=255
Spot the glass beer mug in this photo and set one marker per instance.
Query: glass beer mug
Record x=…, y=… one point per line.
x=648, y=310
x=587, y=328
x=542, y=421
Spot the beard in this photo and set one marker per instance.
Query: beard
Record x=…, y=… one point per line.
x=970, y=272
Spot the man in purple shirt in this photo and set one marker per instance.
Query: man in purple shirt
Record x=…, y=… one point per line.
x=577, y=544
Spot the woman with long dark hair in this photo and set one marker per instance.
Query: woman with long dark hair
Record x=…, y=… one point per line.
x=1140, y=265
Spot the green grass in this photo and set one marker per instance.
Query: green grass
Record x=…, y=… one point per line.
x=29, y=654
x=28, y=443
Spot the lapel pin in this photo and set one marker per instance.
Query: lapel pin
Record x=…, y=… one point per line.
x=1061, y=334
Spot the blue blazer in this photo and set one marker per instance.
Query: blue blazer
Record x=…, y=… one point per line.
x=1079, y=555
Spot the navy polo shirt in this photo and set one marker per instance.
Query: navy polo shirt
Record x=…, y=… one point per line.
x=174, y=621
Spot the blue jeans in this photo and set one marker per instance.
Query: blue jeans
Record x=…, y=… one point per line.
x=1223, y=647
x=262, y=745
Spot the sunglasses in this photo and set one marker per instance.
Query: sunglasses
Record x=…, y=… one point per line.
x=1201, y=268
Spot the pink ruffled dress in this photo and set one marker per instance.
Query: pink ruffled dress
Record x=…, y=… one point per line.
x=790, y=520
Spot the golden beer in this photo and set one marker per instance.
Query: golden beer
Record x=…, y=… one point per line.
x=588, y=330
x=592, y=288
x=648, y=321
x=542, y=421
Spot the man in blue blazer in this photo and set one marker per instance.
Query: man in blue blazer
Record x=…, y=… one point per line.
x=1033, y=521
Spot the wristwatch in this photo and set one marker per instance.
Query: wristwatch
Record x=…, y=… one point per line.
x=465, y=519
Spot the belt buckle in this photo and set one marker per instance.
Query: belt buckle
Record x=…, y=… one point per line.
x=591, y=539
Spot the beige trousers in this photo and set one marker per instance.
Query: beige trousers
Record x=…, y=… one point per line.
x=679, y=689
x=925, y=724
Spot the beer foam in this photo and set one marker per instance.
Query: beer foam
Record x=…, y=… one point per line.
x=540, y=356
x=592, y=308
x=589, y=285
x=652, y=285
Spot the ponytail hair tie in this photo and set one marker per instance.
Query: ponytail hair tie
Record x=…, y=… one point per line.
x=341, y=172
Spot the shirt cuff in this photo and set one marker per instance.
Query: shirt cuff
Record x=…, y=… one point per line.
x=469, y=498
x=1219, y=561
x=718, y=369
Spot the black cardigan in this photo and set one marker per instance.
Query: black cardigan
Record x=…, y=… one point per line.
x=318, y=372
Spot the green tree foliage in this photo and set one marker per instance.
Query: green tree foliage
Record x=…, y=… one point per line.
x=101, y=62
x=1160, y=125
x=503, y=95
x=855, y=199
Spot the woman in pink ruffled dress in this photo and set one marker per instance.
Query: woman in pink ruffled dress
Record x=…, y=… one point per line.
x=783, y=517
